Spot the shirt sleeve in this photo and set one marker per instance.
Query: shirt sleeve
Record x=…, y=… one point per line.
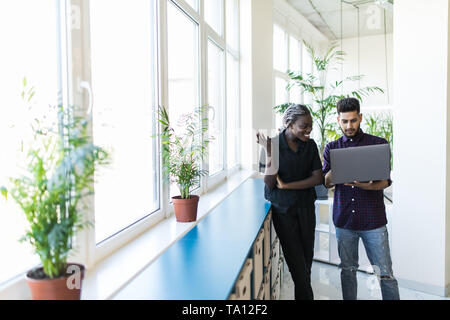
x=326, y=159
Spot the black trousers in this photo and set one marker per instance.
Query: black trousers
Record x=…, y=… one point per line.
x=295, y=228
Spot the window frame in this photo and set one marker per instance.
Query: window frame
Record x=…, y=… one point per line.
x=290, y=29
x=90, y=252
x=75, y=75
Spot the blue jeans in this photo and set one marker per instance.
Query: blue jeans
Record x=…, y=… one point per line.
x=376, y=243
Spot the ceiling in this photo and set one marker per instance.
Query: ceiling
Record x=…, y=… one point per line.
x=325, y=15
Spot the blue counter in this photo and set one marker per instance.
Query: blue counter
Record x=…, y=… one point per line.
x=206, y=262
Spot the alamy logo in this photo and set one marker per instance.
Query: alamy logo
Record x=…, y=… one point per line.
x=75, y=17
x=373, y=282
x=74, y=281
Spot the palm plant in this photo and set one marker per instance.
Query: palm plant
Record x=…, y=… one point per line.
x=324, y=95
x=381, y=125
x=183, y=153
x=60, y=167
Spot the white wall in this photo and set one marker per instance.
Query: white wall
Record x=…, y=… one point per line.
x=257, y=92
x=372, y=62
x=420, y=226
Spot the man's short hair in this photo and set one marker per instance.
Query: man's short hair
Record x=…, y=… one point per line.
x=348, y=105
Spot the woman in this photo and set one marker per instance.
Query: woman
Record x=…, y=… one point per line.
x=293, y=168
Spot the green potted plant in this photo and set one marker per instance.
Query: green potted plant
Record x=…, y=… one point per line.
x=380, y=125
x=324, y=95
x=182, y=155
x=59, y=172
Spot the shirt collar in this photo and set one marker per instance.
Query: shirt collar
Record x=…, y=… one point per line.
x=356, y=138
x=284, y=144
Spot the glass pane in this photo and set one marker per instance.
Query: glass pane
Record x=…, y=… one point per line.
x=193, y=4
x=279, y=49
x=214, y=15
x=306, y=61
x=295, y=95
x=216, y=95
x=280, y=98
x=232, y=23
x=232, y=110
x=294, y=54
x=183, y=67
x=123, y=86
x=306, y=69
x=29, y=49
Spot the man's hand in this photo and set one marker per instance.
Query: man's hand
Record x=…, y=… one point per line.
x=363, y=185
x=371, y=185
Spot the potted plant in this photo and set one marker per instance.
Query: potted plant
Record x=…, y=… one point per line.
x=182, y=155
x=59, y=171
x=324, y=96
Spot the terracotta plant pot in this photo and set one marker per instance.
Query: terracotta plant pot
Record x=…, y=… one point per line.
x=67, y=287
x=185, y=209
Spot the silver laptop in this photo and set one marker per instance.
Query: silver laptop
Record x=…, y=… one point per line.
x=361, y=164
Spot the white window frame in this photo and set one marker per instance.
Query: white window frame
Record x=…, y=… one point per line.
x=76, y=79
x=90, y=253
x=291, y=29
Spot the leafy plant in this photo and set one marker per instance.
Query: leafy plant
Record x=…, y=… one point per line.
x=60, y=166
x=183, y=153
x=381, y=125
x=324, y=95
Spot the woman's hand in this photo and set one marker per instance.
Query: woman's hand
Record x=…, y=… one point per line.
x=265, y=142
x=280, y=183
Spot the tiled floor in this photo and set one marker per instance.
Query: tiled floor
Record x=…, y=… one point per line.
x=326, y=285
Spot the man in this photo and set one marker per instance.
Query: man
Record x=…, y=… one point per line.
x=359, y=211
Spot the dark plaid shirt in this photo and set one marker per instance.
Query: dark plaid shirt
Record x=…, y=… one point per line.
x=355, y=208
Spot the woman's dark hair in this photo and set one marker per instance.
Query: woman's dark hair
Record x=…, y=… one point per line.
x=293, y=112
x=348, y=105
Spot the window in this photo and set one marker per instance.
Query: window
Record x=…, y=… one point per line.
x=294, y=54
x=29, y=49
x=281, y=96
x=279, y=49
x=214, y=15
x=306, y=68
x=183, y=66
x=120, y=64
x=216, y=86
x=232, y=23
x=233, y=83
x=123, y=83
x=193, y=4
x=232, y=111
x=295, y=59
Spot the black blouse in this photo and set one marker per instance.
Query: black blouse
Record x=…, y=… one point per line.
x=294, y=166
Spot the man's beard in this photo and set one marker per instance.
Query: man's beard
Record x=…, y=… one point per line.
x=355, y=132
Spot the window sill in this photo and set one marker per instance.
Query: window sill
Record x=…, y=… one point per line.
x=111, y=274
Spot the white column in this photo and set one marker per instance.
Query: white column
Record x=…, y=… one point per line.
x=420, y=219
x=256, y=75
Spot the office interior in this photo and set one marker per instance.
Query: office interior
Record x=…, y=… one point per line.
x=118, y=61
